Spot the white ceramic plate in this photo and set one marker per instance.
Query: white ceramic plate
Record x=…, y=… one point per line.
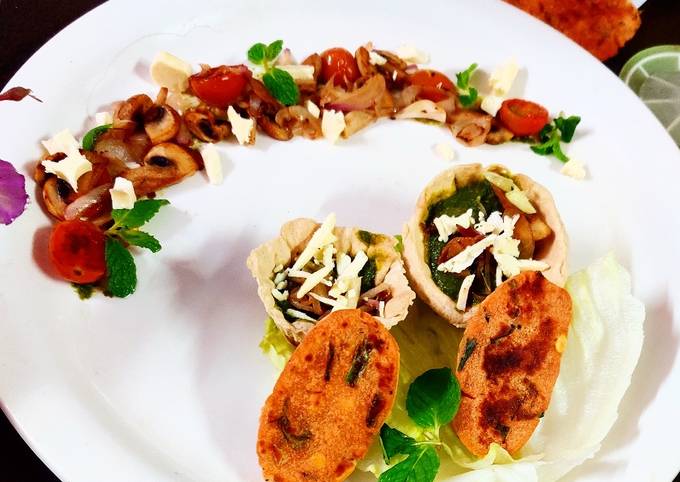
x=167, y=384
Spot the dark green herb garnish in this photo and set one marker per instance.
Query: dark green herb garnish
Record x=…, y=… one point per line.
x=432, y=401
x=330, y=358
x=470, y=346
x=359, y=362
x=92, y=135
x=277, y=81
x=366, y=237
x=466, y=94
x=296, y=440
x=367, y=274
x=84, y=291
x=120, y=266
x=551, y=136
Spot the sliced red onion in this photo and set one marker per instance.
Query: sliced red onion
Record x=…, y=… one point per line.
x=13, y=197
x=83, y=203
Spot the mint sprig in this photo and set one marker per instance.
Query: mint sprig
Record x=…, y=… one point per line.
x=466, y=94
x=277, y=81
x=120, y=265
x=432, y=401
x=551, y=136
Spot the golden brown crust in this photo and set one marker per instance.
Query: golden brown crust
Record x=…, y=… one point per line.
x=508, y=362
x=553, y=251
x=600, y=26
x=329, y=403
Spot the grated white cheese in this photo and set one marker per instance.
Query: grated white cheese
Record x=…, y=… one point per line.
x=103, y=118
x=375, y=58
x=464, y=292
x=345, y=280
x=465, y=258
x=493, y=224
x=321, y=237
x=299, y=315
x=299, y=73
x=532, y=265
x=171, y=72
x=499, y=276
x=278, y=268
x=507, y=263
x=279, y=295
x=122, y=194
x=381, y=309
x=313, y=108
x=353, y=293
x=574, y=169
x=506, y=245
x=212, y=163
x=408, y=53
x=343, y=262
x=332, y=125
x=282, y=285
x=243, y=128
x=447, y=225
x=328, y=301
x=313, y=280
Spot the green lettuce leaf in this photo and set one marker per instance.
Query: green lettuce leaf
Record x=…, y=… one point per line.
x=603, y=347
x=275, y=345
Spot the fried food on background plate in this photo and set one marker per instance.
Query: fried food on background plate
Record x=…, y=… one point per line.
x=600, y=26
x=508, y=362
x=330, y=400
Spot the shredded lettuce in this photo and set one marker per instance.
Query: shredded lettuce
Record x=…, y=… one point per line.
x=275, y=345
x=603, y=347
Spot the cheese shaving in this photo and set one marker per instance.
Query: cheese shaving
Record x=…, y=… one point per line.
x=300, y=315
x=464, y=292
x=448, y=225
x=313, y=280
x=321, y=237
x=465, y=258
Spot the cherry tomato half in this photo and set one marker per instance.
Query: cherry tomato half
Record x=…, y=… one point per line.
x=77, y=251
x=220, y=86
x=339, y=64
x=434, y=85
x=522, y=117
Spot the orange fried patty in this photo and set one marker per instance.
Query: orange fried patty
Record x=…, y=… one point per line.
x=508, y=362
x=330, y=400
x=600, y=26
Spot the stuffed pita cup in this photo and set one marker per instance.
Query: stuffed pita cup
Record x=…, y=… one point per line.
x=312, y=269
x=475, y=227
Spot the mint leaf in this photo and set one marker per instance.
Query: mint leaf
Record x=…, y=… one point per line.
x=567, y=126
x=463, y=78
x=470, y=346
x=92, y=135
x=257, y=53
x=395, y=442
x=274, y=49
x=141, y=239
x=466, y=94
x=142, y=212
x=420, y=466
x=282, y=86
x=120, y=269
x=433, y=398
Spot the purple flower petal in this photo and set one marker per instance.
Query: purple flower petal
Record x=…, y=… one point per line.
x=13, y=197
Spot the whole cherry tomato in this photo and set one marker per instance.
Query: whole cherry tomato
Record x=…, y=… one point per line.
x=434, y=85
x=77, y=251
x=522, y=117
x=220, y=86
x=340, y=65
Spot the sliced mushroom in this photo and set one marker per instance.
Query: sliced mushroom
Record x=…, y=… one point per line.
x=273, y=130
x=422, y=109
x=55, y=194
x=131, y=112
x=355, y=121
x=299, y=121
x=471, y=127
x=205, y=127
x=363, y=59
x=161, y=123
x=118, y=144
x=394, y=70
x=498, y=134
x=165, y=164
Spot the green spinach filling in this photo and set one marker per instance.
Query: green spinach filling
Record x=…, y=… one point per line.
x=479, y=197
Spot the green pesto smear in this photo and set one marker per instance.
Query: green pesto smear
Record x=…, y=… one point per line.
x=479, y=197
